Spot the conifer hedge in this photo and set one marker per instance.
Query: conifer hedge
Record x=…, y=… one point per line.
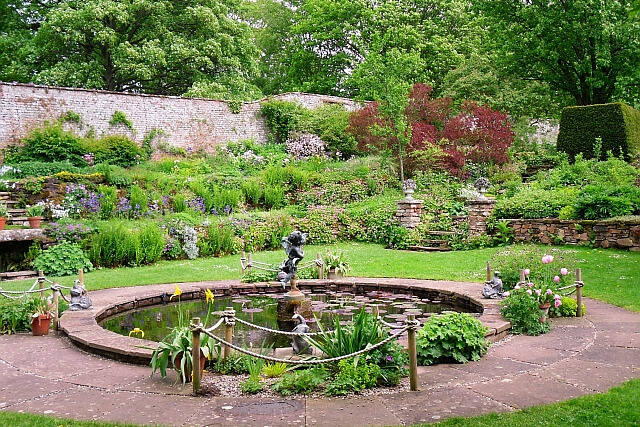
x=617, y=124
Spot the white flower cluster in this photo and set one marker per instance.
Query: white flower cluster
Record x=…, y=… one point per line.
x=303, y=145
x=469, y=193
x=57, y=211
x=190, y=245
x=251, y=157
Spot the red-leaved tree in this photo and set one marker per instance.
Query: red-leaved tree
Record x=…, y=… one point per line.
x=440, y=139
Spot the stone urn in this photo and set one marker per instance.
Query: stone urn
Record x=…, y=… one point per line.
x=408, y=188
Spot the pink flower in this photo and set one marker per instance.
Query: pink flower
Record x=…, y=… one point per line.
x=556, y=296
x=564, y=271
x=529, y=291
x=556, y=279
x=557, y=303
x=549, y=291
x=516, y=287
x=538, y=292
x=530, y=284
x=547, y=259
x=527, y=271
x=506, y=294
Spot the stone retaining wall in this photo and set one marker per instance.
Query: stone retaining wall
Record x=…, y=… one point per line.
x=184, y=122
x=602, y=234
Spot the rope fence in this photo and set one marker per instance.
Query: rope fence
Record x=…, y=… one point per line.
x=228, y=318
x=247, y=263
x=55, y=288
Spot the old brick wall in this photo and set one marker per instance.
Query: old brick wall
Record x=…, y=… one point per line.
x=185, y=122
x=602, y=234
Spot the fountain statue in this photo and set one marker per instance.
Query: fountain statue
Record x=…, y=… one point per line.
x=299, y=345
x=293, y=248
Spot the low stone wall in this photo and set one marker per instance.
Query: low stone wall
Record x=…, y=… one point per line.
x=602, y=234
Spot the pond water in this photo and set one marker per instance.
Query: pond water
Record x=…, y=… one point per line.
x=261, y=309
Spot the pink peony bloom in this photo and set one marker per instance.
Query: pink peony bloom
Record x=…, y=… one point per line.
x=516, y=287
x=564, y=271
x=526, y=271
x=538, y=292
x=506, y=294
x=529, y=291
x=549, y=291
x=556, y=279
x=530, y=284
x=556, y=296
x=547, y=259
x=557, y=303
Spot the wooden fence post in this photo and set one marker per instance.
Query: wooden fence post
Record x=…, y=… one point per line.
x=228, y=333
x=413, y=354
x=320, y=264
x=579, y=285
x=81, y=276
x=56, y=296
x=195, y=356
x=41, y=283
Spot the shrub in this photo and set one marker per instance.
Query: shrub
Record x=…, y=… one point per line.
x=114, y=149
x=302, y=381
x=62, y=260
x=330, y=123
x=149, y=244
x=535, y=203
x=15, y=314
x=524, y=313
x=252, y=190
x=219, y=240
x=605, y=201
x=112, y=245
x=617, y=125
x=50, y=143
x=71, y=232
x=35, y=169
x=302, y=145
x=451, y=336
x=353, y=377
x=282, y=117
x=108, y=198
x=569, y=308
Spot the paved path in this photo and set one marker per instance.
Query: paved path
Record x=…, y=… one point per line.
x=48, y=375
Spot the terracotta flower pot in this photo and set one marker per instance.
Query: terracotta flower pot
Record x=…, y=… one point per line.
x=34, y=221
x=334, y=274
x=178, y=362
x=545, y=311
x=3, y=221
x=40, y=325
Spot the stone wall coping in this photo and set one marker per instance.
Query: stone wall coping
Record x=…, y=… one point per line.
x=83, y=329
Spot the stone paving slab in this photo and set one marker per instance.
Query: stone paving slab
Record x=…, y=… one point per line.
x=250, y=412
x=338, y=412
x=590, y=375
x=437, y=405
x=523, y=391
x=579, y=356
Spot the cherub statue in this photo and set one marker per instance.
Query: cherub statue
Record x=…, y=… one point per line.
x=79, y=298
x=293, y=247
x=493, y=288
x=300, y=346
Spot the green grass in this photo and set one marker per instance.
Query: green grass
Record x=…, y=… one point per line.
x=609, y=275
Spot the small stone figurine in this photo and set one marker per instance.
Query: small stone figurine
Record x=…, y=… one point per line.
x=79, y=298
x=493, y=288
x=299, y=345
x=293, y=247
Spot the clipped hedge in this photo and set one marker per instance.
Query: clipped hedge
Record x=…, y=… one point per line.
x=617, y=124
x=535, y=203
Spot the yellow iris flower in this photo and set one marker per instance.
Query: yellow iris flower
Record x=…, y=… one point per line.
x=208, y=295
x=137, y=331
x=177, y=293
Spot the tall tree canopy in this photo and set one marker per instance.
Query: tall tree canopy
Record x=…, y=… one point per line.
x=587, y=48
x=150, y=46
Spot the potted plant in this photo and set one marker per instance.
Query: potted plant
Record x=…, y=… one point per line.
x=4, y=214
x=177, y=347
x=336, y=264
x=34, y=215
x=41, y=318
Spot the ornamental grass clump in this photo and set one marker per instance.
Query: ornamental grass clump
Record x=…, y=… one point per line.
x=449, y=337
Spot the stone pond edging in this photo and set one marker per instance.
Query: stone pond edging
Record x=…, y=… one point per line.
x=82, y=326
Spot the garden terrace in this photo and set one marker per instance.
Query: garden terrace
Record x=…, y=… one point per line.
x=82, y=327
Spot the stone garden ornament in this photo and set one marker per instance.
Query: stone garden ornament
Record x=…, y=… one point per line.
x=299, y=345
x=79, y=298
x=293, y=248
x=493, y=288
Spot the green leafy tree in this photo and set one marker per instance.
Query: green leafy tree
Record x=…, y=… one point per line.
x=161, y=47
x=586, y=48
